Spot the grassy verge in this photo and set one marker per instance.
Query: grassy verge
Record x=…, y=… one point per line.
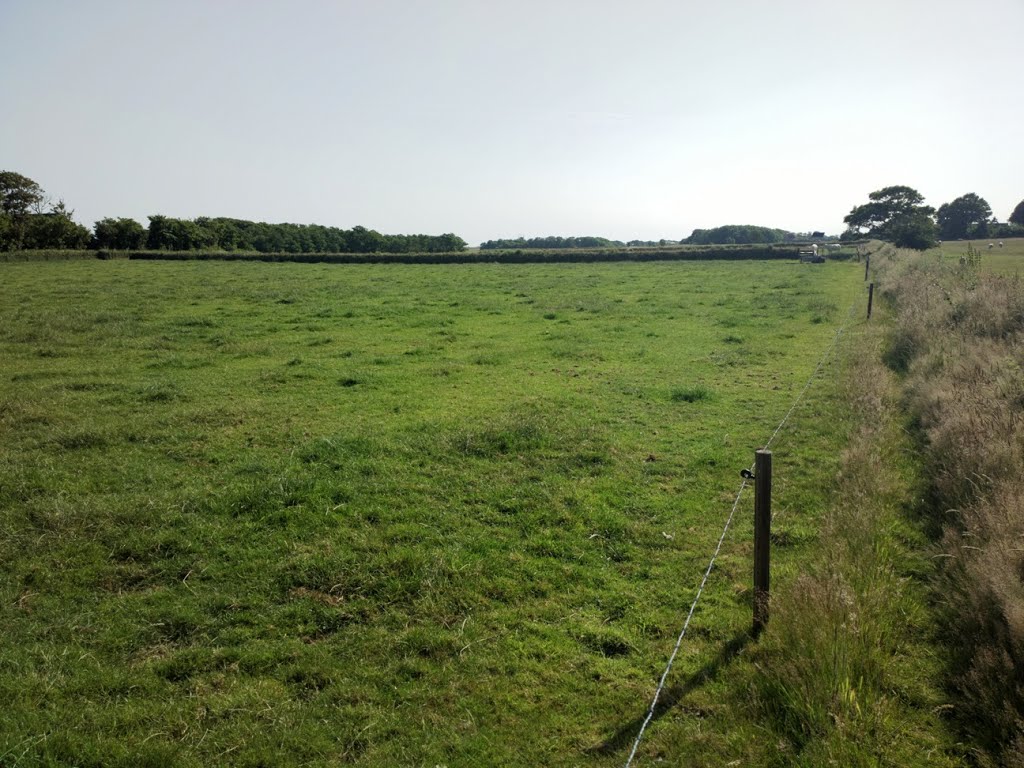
x=849, y=671
x=957, y=344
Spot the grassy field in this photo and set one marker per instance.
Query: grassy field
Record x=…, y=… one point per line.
x=1006, y=260
x=287, y=514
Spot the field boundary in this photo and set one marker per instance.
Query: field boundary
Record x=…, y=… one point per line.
x=522, y=256
x=728, y=523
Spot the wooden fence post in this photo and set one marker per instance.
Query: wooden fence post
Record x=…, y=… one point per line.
x=867, y=266
x=762, y=536
x=871, y=296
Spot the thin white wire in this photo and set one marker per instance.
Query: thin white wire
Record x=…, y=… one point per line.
x=821, y=361
x=721, y=539
x=679, y=642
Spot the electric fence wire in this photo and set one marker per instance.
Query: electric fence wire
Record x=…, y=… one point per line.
x=721, y=539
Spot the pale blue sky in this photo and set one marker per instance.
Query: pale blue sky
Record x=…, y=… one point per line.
x=642, y=119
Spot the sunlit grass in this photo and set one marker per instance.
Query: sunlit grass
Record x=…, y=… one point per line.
x=386, y=514
x=1007, y=259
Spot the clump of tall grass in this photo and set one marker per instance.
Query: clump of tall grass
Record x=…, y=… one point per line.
x=692, y=394
x=843, y=675
x=957, y=338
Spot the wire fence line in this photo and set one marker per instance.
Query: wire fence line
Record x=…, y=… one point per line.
x=821, y=361
x=686, y=625
x=721, y=539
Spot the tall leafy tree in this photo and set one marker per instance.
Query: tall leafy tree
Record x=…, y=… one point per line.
x=896, y=214
x=19, y=197
x=363, y=240
x=158, y=237
x=54, y=229
x=449, y=241
x=914, y=230
x=550, y=242
x=739, y=234
x=967, y=215
x=1017, y=217
x=29, y=220
x=227, y=234
x=119, y=234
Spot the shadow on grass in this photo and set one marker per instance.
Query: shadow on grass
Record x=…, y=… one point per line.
x=673, y=695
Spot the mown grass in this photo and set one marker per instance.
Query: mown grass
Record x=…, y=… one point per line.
x=393, y=515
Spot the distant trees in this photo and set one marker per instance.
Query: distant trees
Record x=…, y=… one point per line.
x=896, y=214
x=19, y=196
x=650, y=243
x=886, y=206
x=119, y=234
x=552, y=242
x=968, y=215
x=29, y=220
x=915, y=230
x=225, y=234
x=739, y=234
x=55, y=228
x=447, y=242
x=1017, y=217
x=167, y=234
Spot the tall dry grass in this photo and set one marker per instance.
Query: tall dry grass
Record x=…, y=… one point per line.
x=848, y=673
x=958, y=340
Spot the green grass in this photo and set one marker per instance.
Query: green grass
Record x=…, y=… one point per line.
x=392, y=515
x=1007, y=260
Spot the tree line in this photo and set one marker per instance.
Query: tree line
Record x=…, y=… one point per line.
x=550, y=243
x=226, y=234
x=730, y=234
x=29, y=220
x=554, y=242
x=898, y=214
x=743, y=234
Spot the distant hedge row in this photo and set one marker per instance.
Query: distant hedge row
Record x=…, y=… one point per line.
x=525, y=256
x=52, y=255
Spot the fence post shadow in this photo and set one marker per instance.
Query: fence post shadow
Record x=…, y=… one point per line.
x=673, y=695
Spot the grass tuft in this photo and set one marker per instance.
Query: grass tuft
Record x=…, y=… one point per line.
x=694, y=394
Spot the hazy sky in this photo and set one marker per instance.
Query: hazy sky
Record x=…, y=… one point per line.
x=640, y=119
